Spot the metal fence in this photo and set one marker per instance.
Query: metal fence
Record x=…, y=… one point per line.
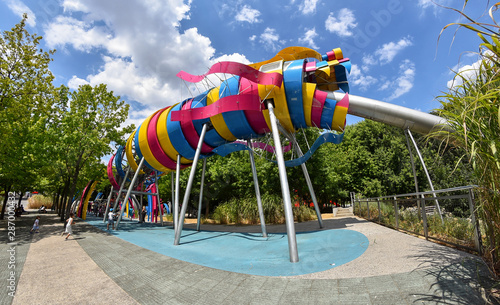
x=446, y=215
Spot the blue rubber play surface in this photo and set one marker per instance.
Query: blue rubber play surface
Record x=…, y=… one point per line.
x=247, y=253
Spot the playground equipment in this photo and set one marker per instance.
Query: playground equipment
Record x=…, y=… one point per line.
x=292, y=91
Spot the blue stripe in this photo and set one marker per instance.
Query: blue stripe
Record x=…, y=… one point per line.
x=293, y=77
x=236, y=121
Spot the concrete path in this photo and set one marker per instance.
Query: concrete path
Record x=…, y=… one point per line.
x=98, y=268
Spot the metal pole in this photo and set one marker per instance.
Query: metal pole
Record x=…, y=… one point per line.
x=414, y=170
x=107, y=204
x=379, y=216
x=257, y=191
x=172, y=182
x=125, y=201
x=177, y=190
x=426, y=173
x=424, y=217
x=306, y=175
x=198, y=222
x=285, y=190
x=396, y=212
x=477, y=232
x=189, y=186
x=122, y=186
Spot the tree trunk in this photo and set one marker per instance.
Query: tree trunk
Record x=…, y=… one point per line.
x=7, y=190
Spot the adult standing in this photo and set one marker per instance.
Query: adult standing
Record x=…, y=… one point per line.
x=144, y=212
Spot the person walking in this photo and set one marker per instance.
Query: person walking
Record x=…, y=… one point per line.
x=69, y=223
x=111, y=220
x=36, y=225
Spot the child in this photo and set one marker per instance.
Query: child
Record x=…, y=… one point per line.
x=111, y=221
x=36, y=225
x=70, y=222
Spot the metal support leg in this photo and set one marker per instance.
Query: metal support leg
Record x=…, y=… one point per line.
x=257, y=191
x=125, y=201
x=118, y=196
x=107, y=204
x=201, y=194
x=285, y=190
x=189, y=186
x=177, y=191
x=306, y=175
x=172, y=182
x=426, y=172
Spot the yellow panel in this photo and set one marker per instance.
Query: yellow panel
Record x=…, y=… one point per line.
x=288, y=54
x=308, y=90
x=280, y=104
x=144, y=146
x=338, y=53
x=217, y=120
x=265, y=113
x=339, y=118
x=130, y=155
x=164, y=139
x=86, y=200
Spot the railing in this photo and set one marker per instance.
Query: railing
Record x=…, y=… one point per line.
x=446, y=215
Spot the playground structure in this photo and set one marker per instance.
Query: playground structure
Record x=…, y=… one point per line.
x=294, y=90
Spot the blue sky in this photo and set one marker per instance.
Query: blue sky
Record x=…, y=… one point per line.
x=137, y=47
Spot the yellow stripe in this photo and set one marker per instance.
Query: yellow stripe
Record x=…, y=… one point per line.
x=308, y=90
x=164, y=139
x=144, y=146
x=218, y=120
x=339, y=118
x=86, y=200
x=130, y=155
x=280, y=104
x=338, y=53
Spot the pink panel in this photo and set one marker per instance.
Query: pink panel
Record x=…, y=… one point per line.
x=110, y=174
x=155, y=146
x=317, y=107
x=255, y=118
x=225, y=104
x=190, y=132
x=331, y=55
x=310, y=66
x=239, y=69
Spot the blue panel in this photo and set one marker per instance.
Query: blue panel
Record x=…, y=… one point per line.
x=138, y=149
x=236, y=121
x=226, y=149
x=327, y=114
x=341, y=76
x=212, y=138
x=118, y=161
x=292, y=78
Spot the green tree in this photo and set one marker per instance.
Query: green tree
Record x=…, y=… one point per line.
x=25, y=104
x=89, y=121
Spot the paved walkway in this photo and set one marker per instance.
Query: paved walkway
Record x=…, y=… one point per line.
x=98, y=268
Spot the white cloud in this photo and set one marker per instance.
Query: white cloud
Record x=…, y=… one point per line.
x=468, y=72
x=19, y=8
x=309, y=37
x=248, y=14
x=143, y=52
x=308, y=7
x=270, y=40
x=359, y=79
x=388, y=51
x=342, y=24
x=404, y=81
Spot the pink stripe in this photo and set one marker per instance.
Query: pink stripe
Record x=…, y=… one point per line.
x=225, y=104
x=344, y=102
x=190, y=132
x=317, y=107
x=154, y=144
x=239, y=69
x=255, y=118
x=111, y=177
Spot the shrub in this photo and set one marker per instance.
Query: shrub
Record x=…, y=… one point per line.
x=36, y=201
